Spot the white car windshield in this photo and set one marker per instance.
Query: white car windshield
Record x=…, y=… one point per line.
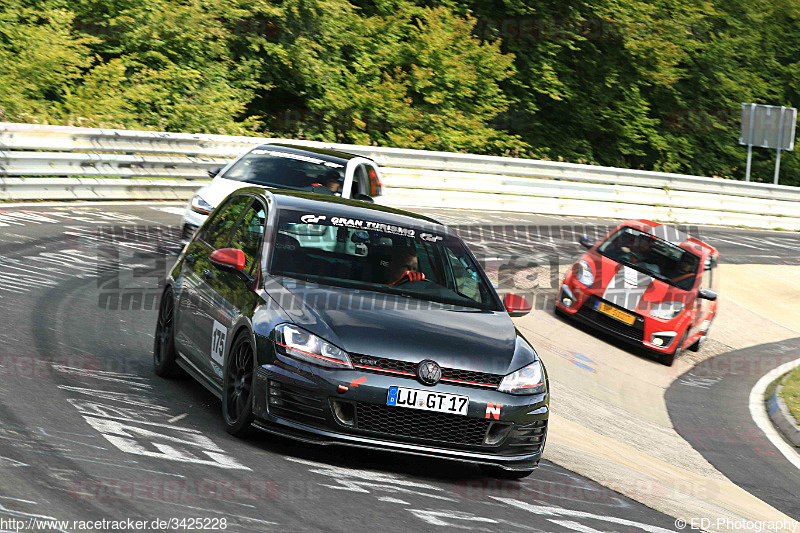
x=288, y=170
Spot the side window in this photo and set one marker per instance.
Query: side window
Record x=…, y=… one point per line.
x=218, y=233
x=248, y=234
x=360, y=181
x=465, y=278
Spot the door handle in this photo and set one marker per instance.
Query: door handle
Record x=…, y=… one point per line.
x=189, y=258
x=208, y=274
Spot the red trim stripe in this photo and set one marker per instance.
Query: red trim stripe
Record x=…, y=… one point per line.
x=413, y=374
x=470, y=382
x=318, y=356
x=385, y=370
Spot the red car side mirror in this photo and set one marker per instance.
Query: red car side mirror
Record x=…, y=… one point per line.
x=516, y=305
x=228, y=258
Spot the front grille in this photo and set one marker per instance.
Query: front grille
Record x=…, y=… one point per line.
x=188, y=231
x=467, y=377
x=293, y=403
x=420, y=425
x=634, y=331
x=530, y=435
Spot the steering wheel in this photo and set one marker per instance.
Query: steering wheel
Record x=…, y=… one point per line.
x=629, y=256
x=410, y=275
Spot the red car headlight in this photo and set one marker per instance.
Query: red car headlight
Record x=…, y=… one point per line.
x=666, y=310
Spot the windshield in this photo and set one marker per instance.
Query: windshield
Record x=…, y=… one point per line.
x=367, y=255
x=286, y=170
x=659, y=258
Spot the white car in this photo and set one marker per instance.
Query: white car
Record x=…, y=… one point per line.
x=279, y=166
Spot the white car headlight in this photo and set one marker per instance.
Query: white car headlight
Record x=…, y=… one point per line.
x=527, y=380
x=199, y=205
x=666, y=310
x=300, y=344
x=584, y=274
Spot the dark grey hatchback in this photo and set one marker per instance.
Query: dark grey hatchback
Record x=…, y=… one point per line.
x=339, y=322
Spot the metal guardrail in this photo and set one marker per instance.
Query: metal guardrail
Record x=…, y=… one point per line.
x=413, y=177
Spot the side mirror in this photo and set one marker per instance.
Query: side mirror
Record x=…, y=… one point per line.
x=227, y=259
x=516, y=305
x=213, y=172
x=707, y=294
x=585, y=242
x=363, y=198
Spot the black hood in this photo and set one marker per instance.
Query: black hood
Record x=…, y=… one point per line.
x=395, y=327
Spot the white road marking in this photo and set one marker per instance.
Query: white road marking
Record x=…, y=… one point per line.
x=737, y=243
x=125, y=438
x=758, y=411
x=171, y=210
x=552, y=510
x=7, y=462
x=575, y=526
x=354, y=480
x=99, y=462
x=177, y=418
x=114, y=377
x=115, y=396
x=446, y=518
x=17, y=500
x=389, y=499
x=45, y=434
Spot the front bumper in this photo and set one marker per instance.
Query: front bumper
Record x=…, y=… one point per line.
x=303, y=403
x=645, y=332
x=191, y=221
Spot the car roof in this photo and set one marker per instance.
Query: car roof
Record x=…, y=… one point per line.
x=344, y=207
x=333, y=156
x=669, y=233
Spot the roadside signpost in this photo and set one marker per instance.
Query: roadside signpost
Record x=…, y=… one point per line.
x=767, y=126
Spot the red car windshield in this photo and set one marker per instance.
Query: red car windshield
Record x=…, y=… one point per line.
x=656, y=257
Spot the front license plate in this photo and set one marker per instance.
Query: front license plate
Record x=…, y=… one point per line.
x=440, y=402
x=613, y=312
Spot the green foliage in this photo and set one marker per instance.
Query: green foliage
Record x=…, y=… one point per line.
x=641, y=84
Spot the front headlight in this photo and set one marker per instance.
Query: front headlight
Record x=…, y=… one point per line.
x=666, y=310
x=584, y=274
x=527, y=380
x=300, y=344
x=199, y=205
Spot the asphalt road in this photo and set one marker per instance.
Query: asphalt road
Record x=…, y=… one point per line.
x=709, y=408
x=89, y=433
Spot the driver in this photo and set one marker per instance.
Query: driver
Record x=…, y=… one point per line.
x=685, y=270
x=403, y=264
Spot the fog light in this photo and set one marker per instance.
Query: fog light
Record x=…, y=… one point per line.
x=344, y=412
x=567, y=302
x=658, y=341
x=496, y=433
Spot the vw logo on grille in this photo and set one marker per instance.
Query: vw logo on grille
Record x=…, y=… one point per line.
x=428, y=372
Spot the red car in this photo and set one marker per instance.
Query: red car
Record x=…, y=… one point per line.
x=645, y=283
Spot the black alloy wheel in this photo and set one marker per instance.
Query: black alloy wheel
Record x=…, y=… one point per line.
x=237, y=389
x=164, y=353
